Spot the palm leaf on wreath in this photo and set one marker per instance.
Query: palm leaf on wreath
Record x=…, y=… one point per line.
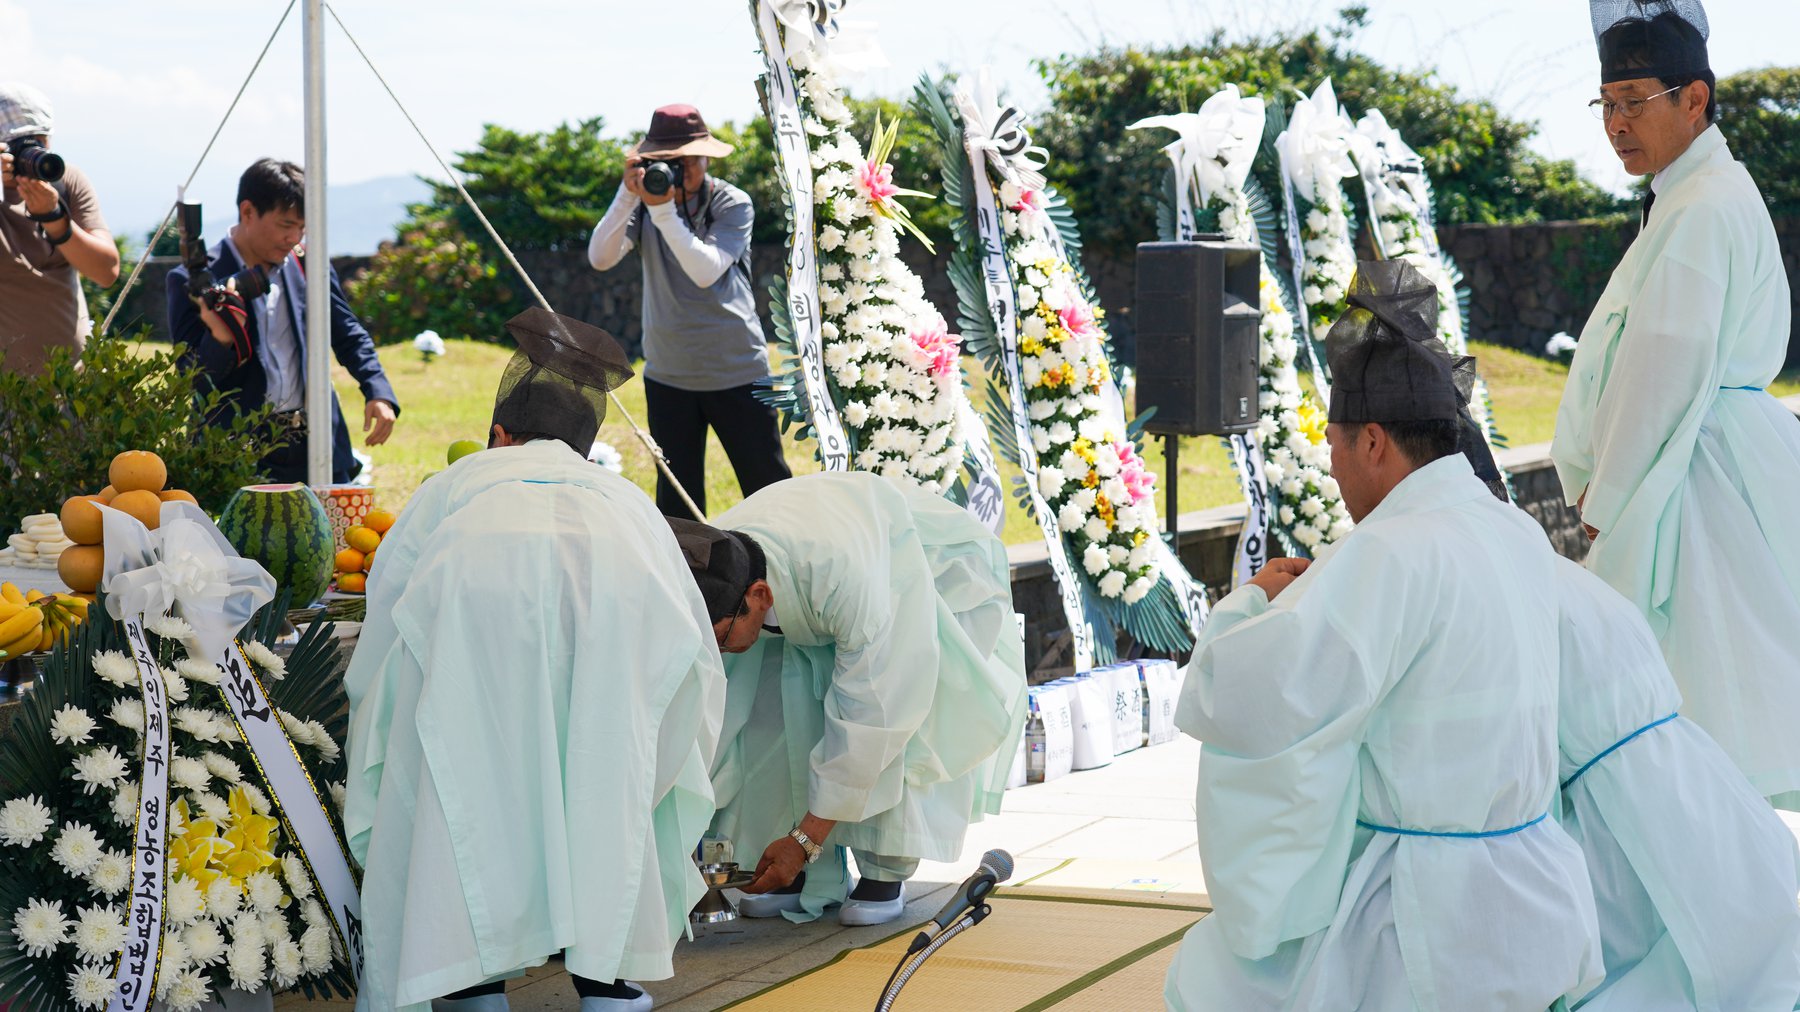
x=974, y=320
x=1269, y=231
x=785, y=391
x=1165, y=208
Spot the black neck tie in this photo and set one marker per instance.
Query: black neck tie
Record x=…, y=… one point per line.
x=1649, y=202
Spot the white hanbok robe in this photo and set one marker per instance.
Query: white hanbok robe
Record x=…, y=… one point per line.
x=1691, y=473
x=1694, y=874
x=1408, y=680
x=894, y=697
x=534, y=705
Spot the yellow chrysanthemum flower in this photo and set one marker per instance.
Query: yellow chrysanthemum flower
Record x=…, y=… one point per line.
x=1312, y=422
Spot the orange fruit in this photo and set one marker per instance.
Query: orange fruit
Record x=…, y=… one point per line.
x=349, y=561
x=352, y=583
x=80, y=566
x=362, y=539
x=140, y=503
x=177, y=495
x=81, y=520
x=379, y=521
x=138, y=470
x=106, y=495
x=368, y=565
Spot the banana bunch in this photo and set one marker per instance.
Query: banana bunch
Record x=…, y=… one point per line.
x=32, y=621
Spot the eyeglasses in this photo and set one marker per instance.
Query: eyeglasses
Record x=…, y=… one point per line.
x=725, y=637
x=1631, y=108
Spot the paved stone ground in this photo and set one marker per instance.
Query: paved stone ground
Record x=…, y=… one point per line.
x=1141, y=808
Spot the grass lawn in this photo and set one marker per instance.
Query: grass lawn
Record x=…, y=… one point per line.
x=452, y=397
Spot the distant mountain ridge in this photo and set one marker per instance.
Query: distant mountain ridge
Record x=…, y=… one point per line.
x=362, y=215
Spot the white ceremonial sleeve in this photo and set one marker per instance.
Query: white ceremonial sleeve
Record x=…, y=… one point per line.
x=611, y=241
x=881, y=687
x=702, y=261
x=1663, y=369
x=1280, y=694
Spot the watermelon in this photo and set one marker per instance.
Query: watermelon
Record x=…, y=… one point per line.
x=283, y=527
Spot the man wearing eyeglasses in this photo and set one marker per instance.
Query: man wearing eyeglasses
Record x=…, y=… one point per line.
x=874, y=685
x=1684, y=468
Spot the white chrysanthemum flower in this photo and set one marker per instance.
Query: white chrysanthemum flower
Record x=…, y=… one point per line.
x=77, y=849
x=224, y=899
x=338, y=793
x=40, y=927
x=293, y=871
x=1138, y=589
x=1117, y=555
x=315, y=949
x=205, y=943
x=223, y=768
x=189, y=774
x=111, y=875
x=101, y=767
x=128, y=714
x=195, y=670
x=99, y=933
x=259, y=802
x=1112, y=584
x=1095, y=529
x=245, y=959
x=183, y=902
x=91, y=987
x=24, y=821
x=1311, y=507
x=125, y=804
x=71, y=726
x=212, y=806
x=170, y=628
x=116, y=668
x=1094, y=559
x=174, y=961
x=267, y=661
x=264, y=891
x=188, y=992
x=206, y=725
x=1306, y=535
x=175, y=687
x=285, y=963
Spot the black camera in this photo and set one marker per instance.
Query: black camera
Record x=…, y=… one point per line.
x=249, y=283
x=662, y=175
x=31, y=160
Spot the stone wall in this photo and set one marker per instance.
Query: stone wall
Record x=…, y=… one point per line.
x=1529, y=282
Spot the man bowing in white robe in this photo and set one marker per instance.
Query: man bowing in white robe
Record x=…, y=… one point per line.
x=534, y=705
x=1686, y=471
x=1379, y=727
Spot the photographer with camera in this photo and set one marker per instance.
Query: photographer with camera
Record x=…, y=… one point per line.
x=50, y=231
x=703, y=344
x=248, y=334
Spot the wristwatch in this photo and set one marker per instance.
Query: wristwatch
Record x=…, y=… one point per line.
x=812, y=849
x=61, y=212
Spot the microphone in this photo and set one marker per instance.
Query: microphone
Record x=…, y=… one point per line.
x=996, y=867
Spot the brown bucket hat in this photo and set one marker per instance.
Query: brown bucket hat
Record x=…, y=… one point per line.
x=675, y=131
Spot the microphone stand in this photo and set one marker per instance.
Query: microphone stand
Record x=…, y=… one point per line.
x=921, y=950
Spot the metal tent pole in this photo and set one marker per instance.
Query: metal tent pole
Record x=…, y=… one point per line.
x=318, y=260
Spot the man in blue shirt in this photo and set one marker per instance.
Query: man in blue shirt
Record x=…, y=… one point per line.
x=260, y=358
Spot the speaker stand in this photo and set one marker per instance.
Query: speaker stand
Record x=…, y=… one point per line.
x=1171, y=514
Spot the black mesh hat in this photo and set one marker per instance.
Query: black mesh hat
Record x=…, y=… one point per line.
x=1388, y=365
x=558, y=381
x=1662, y=39
x=719, y=562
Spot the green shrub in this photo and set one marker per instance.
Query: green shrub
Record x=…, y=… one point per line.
x=60, y=430
x=434, y=278
x=1759, y=110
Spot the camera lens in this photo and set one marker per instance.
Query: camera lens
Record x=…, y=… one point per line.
x=36, y=163
x=659, y=178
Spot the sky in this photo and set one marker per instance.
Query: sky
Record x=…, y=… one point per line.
x=139, y=87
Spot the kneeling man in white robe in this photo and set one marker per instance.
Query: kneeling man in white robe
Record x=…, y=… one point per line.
x=1694, y=874
x=534, y=706
x=1379, y=727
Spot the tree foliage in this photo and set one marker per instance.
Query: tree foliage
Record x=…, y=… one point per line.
x=1478, y=160
x=1759, y=110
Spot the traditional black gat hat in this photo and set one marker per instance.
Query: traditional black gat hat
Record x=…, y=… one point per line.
x=558, y=381
x=1662, y=39
x=720, y=562
x=1388, y=365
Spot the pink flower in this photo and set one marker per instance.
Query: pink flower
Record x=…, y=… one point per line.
x=1029, y=200
x=876, y=183
x=1139, y=482
x=1078, y=318
x=938, y=350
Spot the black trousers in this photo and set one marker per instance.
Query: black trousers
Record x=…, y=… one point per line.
x=746, y=427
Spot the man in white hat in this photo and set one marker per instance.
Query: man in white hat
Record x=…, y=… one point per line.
x=1686, y=471
x=704, y=350
x=51, y=234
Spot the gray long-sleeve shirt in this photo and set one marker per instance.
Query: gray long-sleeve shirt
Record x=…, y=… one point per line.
x=701, y=331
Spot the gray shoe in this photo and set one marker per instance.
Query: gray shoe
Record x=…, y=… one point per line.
x=857, y=913
x=768, y=904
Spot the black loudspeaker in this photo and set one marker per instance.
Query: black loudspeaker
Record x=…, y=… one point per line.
x=1199, y=318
